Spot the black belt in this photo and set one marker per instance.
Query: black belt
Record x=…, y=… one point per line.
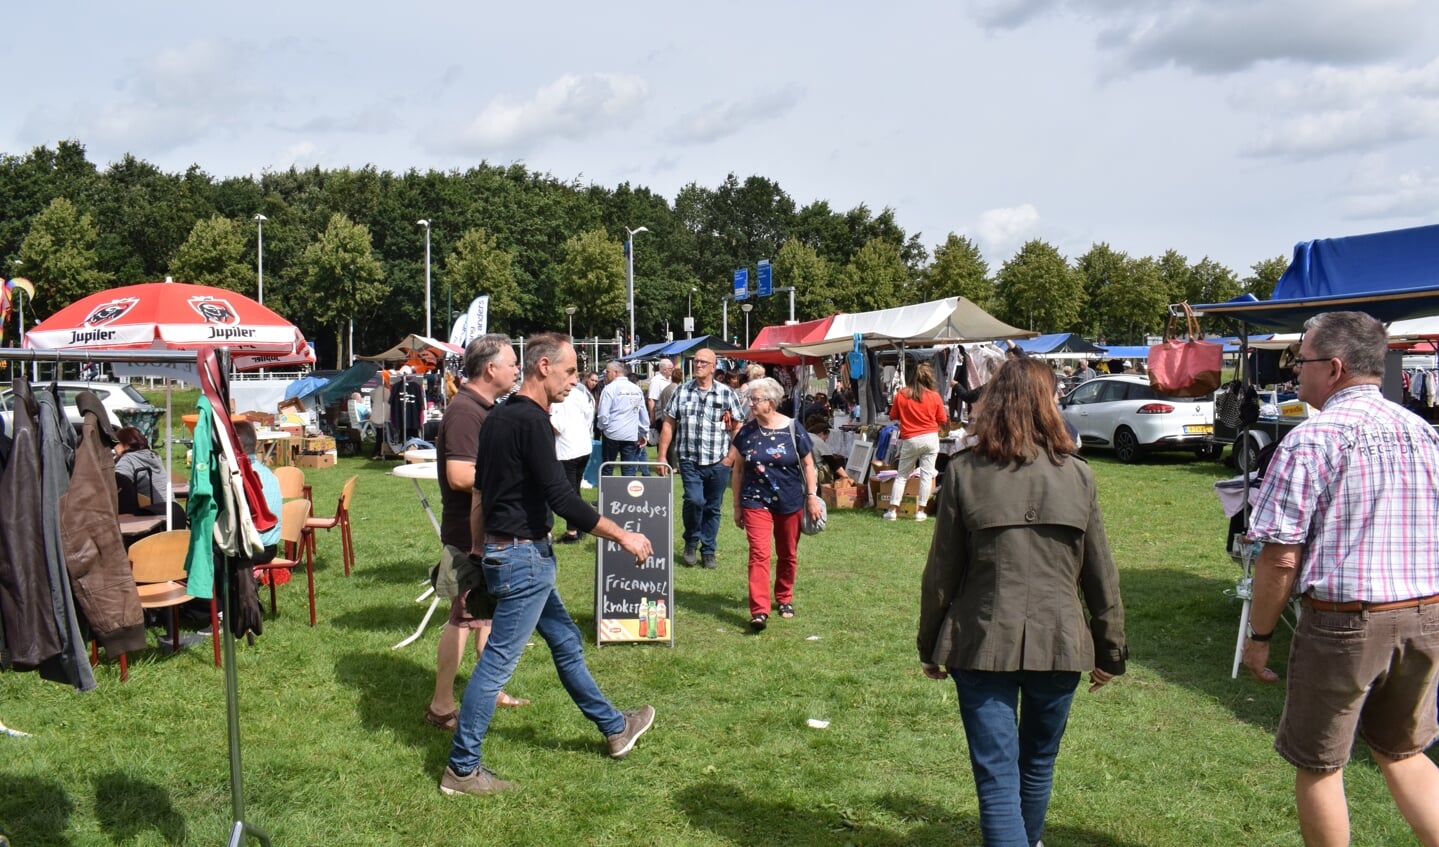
x=511, y=540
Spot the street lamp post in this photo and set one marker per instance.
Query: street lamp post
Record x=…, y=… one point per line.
x=746, y=309
x=690, y=313
x=426, y=224
x=570, y=310
x=630, y=274
x=260, y=258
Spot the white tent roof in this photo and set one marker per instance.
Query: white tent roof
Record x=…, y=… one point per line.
x=947, y=321
x=1415, y=328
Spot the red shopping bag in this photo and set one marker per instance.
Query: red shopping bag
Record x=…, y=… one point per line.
x=1186, y=367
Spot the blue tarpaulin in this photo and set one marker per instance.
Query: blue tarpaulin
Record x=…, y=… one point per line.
x=1056, y=344
x=1391, y=275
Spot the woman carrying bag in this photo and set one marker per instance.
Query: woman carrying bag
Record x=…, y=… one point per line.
x=1018, y=543
x=773, y=478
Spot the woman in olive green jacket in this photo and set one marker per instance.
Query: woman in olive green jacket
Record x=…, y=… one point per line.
x=1018, y=541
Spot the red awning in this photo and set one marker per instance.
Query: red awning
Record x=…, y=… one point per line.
x=766, y=349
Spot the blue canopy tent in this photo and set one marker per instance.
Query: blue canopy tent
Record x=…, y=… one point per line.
x=649, y=351
x=1390, y=275
x=1059, y=345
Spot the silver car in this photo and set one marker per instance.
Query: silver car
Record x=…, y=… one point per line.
x=1125, y=414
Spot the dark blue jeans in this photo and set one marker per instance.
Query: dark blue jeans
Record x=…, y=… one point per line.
x=522, y=578
x=1013, y=722
x=704, y=494
x=624, y=451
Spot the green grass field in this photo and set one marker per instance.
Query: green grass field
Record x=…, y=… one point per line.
x=336, y=753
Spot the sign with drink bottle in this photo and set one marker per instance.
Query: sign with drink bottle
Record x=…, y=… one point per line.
x=634, y=601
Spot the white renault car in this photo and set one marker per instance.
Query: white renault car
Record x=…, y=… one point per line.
x=113, y=396
x=1125, y=414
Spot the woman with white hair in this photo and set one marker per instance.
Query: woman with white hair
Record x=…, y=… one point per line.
x=772, y=475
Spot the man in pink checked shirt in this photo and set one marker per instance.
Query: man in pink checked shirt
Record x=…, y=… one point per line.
x=1347, y=515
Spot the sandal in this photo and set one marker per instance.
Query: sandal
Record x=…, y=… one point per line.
x=786, y=610
x=439, y=721
x=507, y=701
x=758, y=620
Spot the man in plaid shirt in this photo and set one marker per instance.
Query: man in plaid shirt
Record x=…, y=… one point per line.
x=705, y=413
x=1347, y=514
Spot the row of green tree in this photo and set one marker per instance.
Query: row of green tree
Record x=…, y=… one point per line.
x=344, y=245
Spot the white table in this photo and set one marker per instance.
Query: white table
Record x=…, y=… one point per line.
x=415, y=472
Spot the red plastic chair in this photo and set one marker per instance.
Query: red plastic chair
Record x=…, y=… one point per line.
x=292, y=527
x=341, y=520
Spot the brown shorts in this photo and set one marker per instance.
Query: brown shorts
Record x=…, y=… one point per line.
x=461, y=617
x=1374, y=672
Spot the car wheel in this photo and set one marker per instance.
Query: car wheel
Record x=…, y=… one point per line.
x=1126, y=446
x=1210, y=452
x=1246, y=455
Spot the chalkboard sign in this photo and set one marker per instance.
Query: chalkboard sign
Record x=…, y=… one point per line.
x=635, y=601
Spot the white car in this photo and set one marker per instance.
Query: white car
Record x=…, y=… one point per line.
x=113, y=396
x=1125, y=414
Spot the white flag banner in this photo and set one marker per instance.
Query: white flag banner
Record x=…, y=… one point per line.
x=473, y=323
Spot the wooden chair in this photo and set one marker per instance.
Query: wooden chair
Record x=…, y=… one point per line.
x=292, y=527
x=292, y=483
x=341, y=520
x=158, y=562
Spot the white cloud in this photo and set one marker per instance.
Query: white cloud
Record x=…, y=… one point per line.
x=1002, y=231
x=717, y=120
x=1337, y=110
x=573, y=107
x=1377, y=190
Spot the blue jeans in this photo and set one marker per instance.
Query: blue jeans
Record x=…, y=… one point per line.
x=625, y=451
x=704, y=494
x=522, y=578
x=1013, y=761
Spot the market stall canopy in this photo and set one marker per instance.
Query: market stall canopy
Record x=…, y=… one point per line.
x=649, y=351
x=415, y=345
x=766, y=349
x=1059, y=345
x=1390, y=275
x=1414, y=328
x=176, y=316
x=682, y=346
x=951, y=320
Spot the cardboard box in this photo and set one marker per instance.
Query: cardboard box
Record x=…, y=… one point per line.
x=316, y=460
x=319, y=444
x=839, y=498
x=879, y=491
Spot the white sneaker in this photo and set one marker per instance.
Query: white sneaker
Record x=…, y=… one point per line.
x=891, y=515
x=584, y=483
x=921, y=516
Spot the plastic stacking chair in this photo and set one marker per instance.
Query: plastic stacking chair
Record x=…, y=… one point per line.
x=341, y=520
x=292, y=528
x=158, y=562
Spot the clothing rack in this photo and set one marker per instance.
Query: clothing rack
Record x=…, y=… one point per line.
x=241, y=828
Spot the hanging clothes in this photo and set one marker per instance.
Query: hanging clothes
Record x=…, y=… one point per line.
x=57, y=454
x=100, y=572
x=202, y=507
x=26, y=606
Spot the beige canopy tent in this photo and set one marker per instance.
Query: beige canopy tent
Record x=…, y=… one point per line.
x=413, y=344
x=949, y=321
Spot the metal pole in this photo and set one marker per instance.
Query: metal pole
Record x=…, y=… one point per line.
x=429, y=323
x=724, y=304
x=791, y=304
x=630, y=280
x=260, y=258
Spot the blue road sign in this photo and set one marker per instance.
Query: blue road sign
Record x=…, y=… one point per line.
x=741, y=283
x=766, y=282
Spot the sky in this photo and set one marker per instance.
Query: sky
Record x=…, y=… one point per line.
x=1228, y=129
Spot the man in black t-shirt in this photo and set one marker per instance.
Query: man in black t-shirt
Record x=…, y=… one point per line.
x=520, y=482
x=490, y=369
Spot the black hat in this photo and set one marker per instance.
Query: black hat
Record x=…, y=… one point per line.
x=88, y=403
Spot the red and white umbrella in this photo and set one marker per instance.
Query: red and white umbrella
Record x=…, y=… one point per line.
x=176, y=316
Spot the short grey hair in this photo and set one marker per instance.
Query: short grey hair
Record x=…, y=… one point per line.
x=481, y=352
x=547, y=345
x=664, y=364
x=754, y=371
x=765, y=388
x=1355, y=338
x=616, y=366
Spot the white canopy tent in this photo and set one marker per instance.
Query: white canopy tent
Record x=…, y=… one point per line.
x=948, y=321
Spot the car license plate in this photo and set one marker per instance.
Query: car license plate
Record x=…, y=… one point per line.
x=1204, y=429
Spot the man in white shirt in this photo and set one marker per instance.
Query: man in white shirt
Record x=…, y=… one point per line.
x=623, y=419
x=658, y=383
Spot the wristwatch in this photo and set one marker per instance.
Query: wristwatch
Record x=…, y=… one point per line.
x=1261, y=637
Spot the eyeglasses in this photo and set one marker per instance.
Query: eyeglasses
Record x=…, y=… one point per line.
x=1297, y=361
x=703, y=363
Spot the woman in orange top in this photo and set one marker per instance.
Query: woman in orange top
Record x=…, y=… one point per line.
x=920, y=413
